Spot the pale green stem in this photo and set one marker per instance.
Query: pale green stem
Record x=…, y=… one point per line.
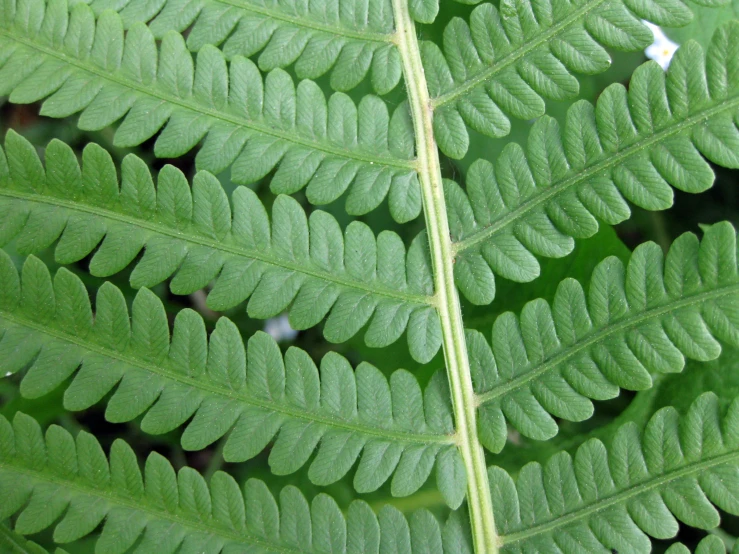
x=447, y=300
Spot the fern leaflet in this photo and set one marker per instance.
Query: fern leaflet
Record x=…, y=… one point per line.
x=603, y=499
x=639, y=320
x=508, y=60
x=300, y=263
x=350, y=38
x=251, y=123
x=56, y=476
x=216, y=386
x=630, y=145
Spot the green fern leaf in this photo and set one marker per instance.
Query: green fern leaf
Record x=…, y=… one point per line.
x=631, y=145
x=351, y=39
x=507, y=61
x=424, y=11
x=639, y=320
x=642, y=485
x=333, y=419
x=249, y=124
x=297, y=262
x=216, y=385
x=58, y=477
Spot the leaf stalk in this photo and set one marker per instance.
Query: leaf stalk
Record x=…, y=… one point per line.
x=440, y=245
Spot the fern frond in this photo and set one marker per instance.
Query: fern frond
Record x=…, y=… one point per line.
x=350, y=38
x=56, y=476
x=252, y=125
x=507, y=61
x=215, y=386
x=603, y=500
x=642, y=319
x=710, y=545
x=304, y=264
x=631, y=145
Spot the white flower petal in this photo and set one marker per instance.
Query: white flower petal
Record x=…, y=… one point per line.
x=279, y=328
x=662, y=49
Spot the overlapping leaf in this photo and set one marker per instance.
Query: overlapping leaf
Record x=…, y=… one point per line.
x=55, y=477
x=302, y=264
x=423, y=11
x=631, y=146
x=13, y=543
x=710, y=545
x=250, y=124
x=349, y=38
x=507, y=61
x=214, y=385
x=635, y=321
x=720, y=376
x=605, y=500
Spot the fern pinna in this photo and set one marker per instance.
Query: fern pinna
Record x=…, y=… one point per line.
x=322, y=132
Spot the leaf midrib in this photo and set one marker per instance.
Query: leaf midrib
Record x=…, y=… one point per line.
x=231, y=395
x=210, y=112
x=606, y=163
x=602, y=334
x=141, y=506
x=368, y=36
x=230, y=249
x=449, y=310
x=618, y=498
x=514, y=56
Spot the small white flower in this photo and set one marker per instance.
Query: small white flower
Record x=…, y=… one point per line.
x=9, y=373
x=279, y=328
x=662, y=49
